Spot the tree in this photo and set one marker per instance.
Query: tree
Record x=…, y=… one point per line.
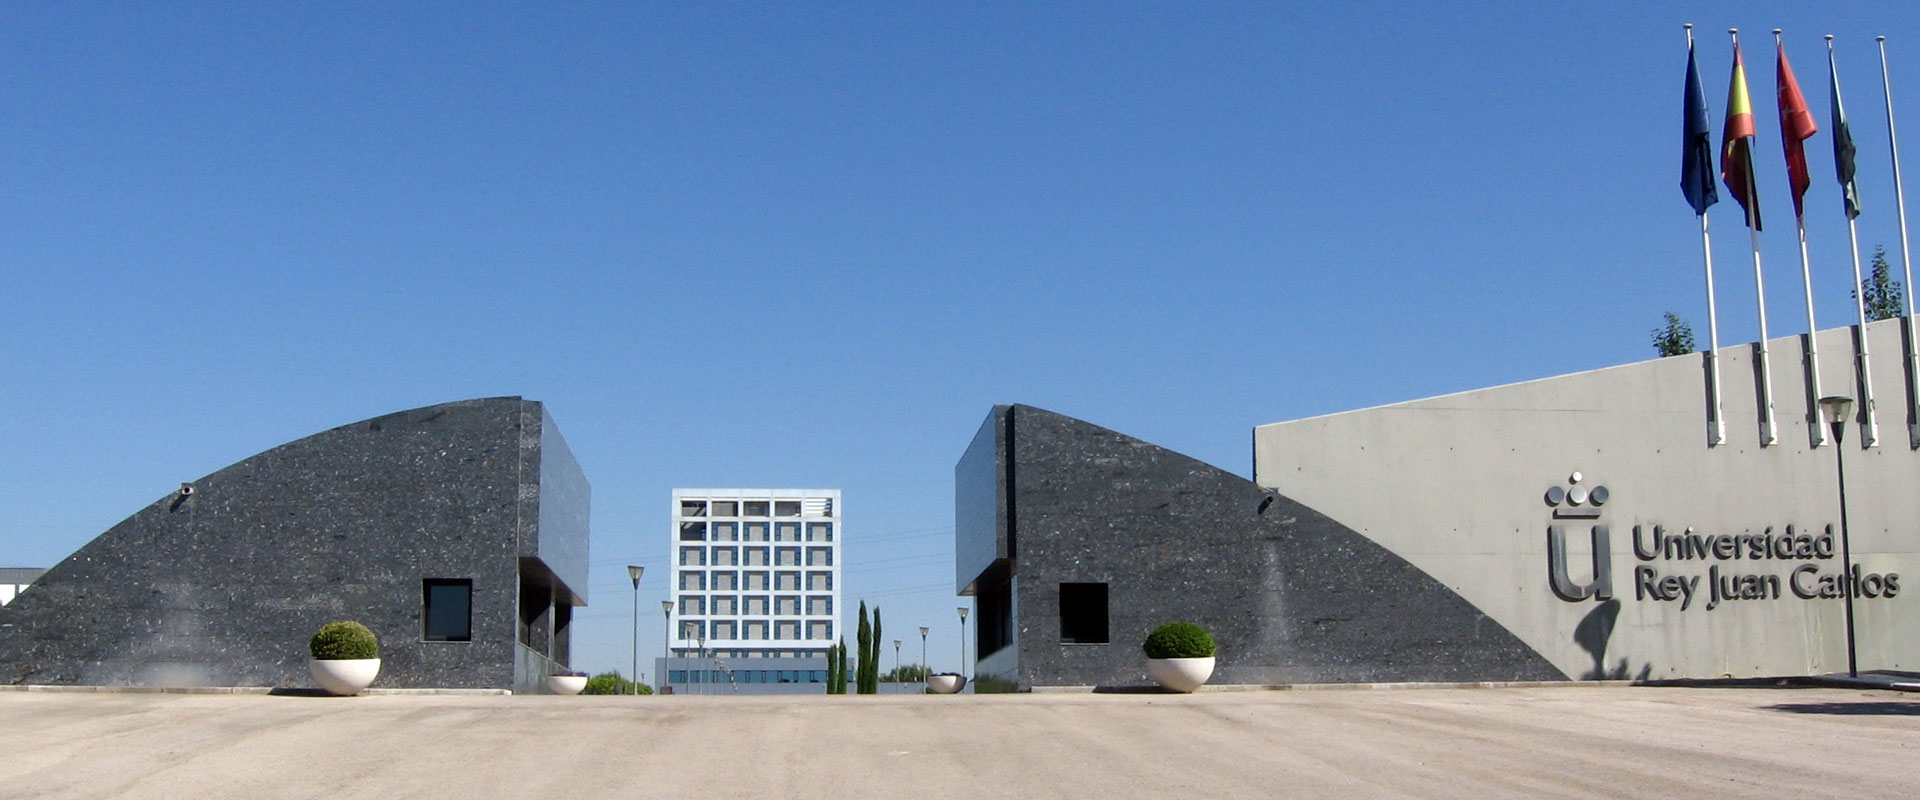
x=833, y=668
x=1673, y=339
x=906, y=673
x=864, y=640
x=873, y=652
x=611, y=682
x=841, y=670
x=1879, y=292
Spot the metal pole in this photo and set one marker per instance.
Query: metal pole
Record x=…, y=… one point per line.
x=963, y=641
x=666, y=643
x=635, y=689
x=926, y=672
x=634, y=571
x=1906, y=252
x=1716, y=423
x=1846, y=548
x=896, y=661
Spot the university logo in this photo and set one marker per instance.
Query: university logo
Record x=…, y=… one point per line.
x=1576, y=502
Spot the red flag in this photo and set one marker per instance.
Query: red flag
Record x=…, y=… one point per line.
x=1796, y=124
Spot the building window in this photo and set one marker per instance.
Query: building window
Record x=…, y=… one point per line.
x=726, y=581
x=786, y=531
x=691, y=630
x=820, y=630
x=725, y=604
x=693, y=556
x=725, y=557
x=693, y=580
x=756, y=556
x=786, y=556
x=786, y=508
x=753, y=508
x=693, y=531
x=820, y=581
x=786, y=581
x=756, y=531
x=820, y=606
x=819, y=556
x=786, y=604
x=818, y=506
x=692, y=508
x=726, y=531
x=723, y=630
x=725, y=508
x=1083, y=613
x=449, y=609
x=819, y=531
x=693, y=605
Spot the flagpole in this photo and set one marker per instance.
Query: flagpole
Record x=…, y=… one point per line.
x=1906, y=253
x=1870, y=428
x=1817, y=433
x=1716, y=424
x=1765, y=377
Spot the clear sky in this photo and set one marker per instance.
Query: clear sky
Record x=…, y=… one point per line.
x=810, y=245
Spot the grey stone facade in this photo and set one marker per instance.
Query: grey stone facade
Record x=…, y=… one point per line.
x=1047, y=505
x=222, y=583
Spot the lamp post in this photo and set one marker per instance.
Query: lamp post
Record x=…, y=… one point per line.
x=963, y=641
x=634, y=571
x=925, y=671
x=1838, y=409
x=700, y=656
x=896, y=661
x=666, y=646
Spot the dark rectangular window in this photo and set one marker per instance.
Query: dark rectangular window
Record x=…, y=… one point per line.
x=449, y=609
x=1083, y=613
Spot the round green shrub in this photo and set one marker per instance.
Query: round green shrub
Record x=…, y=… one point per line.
x=1178, y=640
x=344, y=640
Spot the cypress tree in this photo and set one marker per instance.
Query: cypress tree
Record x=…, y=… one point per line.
x=873, y=675
x=864, y=640
x=842, y=659
x=833, y=673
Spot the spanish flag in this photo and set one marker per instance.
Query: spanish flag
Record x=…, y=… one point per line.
x=1736, y=144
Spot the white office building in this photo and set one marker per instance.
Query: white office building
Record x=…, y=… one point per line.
x=756, y=590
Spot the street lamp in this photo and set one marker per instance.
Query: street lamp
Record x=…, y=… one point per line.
x=925, y=671
x=1838, y=409
x=896, y=661
x=963, y=641
x=666, y=646
x=634, y=571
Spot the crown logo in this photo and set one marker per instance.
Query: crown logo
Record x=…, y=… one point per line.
x=1574, y=501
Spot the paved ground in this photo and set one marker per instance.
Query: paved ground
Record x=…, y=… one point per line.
x=1574, y=741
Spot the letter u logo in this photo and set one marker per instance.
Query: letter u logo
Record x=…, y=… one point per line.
x=1601, y=587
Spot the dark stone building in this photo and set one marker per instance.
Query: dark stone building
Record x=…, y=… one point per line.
x=1076, y=541
x=457, y=532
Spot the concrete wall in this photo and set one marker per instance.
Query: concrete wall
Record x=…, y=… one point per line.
x=1458, y=486
x=224, y=586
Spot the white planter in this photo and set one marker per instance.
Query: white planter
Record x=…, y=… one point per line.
x=946, y=684
x=566, y=684
x=1180, y=674
x=344, y=676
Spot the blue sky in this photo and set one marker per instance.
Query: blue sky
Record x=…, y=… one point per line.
x=812, y=244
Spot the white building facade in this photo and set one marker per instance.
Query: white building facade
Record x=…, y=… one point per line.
x=756, y=590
